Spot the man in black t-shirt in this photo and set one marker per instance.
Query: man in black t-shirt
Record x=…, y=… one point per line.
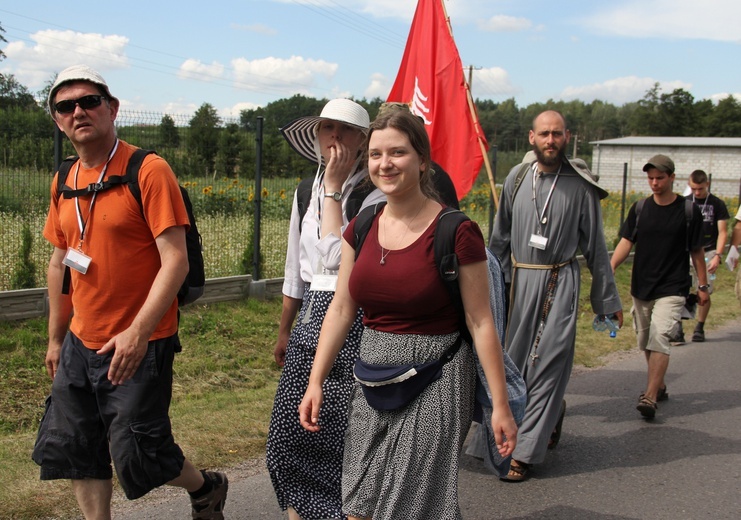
x=660, y=280
x=715, y=234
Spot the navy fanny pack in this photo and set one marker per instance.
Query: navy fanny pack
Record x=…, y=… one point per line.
x=390, y=387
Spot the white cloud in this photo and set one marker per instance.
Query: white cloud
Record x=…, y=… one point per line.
x=379, y=87
x=295, y=74
x=620, y=90
x=52, y=51
x=234, y=110
x=722, y=95
x=492, y=82
x=503, y=23
x=673, y=19
x=180, y=106
x=194, y=69
x=337, y=92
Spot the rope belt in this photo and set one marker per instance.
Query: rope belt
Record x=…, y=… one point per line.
x=520, y=265
x=550, y=294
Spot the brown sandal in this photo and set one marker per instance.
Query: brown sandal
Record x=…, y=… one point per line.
x=518, y=471
x=662, y=395
x=647, y=407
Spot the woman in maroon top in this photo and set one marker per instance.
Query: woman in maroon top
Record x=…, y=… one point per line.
x=404, y=463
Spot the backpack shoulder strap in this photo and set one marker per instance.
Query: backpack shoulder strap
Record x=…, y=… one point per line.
x=357, y=196
x=447, y=261
x=639, y=208
x=363, y=224
x=524, y=167
x=688, y=212
x=131, y=177
x=63, y=173
x=303, y=197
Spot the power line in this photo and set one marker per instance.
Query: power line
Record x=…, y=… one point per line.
x=262, y=84
x=343, y=19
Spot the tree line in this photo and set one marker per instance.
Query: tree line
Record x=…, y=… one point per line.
x=209, y=144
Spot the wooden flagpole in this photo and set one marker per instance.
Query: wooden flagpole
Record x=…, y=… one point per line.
x=475, y=117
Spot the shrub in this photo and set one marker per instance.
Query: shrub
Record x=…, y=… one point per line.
x=25, y=270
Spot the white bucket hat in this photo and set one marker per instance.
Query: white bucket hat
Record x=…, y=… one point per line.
x=78, y=73
x=301, y=133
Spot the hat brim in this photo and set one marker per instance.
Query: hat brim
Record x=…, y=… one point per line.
x=581, y=168
x=660, y=167
x=301, y=135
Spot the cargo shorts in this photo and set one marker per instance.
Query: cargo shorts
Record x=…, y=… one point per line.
x=88, y=421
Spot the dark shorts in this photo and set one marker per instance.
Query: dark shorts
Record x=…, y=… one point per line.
x=88, y=421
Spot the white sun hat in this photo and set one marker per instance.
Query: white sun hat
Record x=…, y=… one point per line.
x=78, y=73
x=301, y=133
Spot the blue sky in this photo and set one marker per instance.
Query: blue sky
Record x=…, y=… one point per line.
x=174, y=56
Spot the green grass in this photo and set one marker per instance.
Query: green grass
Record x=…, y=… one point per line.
x=225, y=380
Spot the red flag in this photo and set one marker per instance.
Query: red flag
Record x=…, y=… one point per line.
x=431, y=82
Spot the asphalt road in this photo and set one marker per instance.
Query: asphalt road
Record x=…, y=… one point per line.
x=611, y=464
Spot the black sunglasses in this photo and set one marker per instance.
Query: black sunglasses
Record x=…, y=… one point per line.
x=86, y=102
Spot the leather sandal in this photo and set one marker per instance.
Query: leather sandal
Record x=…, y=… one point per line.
x=518, y=471
x=647, y=407
x=661, y=395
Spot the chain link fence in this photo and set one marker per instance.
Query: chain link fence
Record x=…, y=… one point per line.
x=220, y=182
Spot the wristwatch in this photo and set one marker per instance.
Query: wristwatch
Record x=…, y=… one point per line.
x=703, y=288
x=335, y=195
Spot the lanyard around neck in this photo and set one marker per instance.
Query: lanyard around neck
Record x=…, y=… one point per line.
x=80, y=222
x=541, y=215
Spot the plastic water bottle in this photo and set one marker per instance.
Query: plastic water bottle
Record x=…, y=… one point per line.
x=602, y=322
x=711, y=276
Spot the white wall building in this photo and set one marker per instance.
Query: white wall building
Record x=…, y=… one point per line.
x=719, y=157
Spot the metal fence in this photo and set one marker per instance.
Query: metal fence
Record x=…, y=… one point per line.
x=243, y=213
x=225, y=194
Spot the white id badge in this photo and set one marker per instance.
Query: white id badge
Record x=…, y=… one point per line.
x=538, y=241
x=77, y=260
x=324, y=282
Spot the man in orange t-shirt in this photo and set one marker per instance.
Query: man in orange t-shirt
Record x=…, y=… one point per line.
x=113, y=337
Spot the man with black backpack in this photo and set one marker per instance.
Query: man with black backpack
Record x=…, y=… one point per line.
x=113, y=281
x=660, y=280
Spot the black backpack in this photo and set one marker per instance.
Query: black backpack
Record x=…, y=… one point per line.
x=195, y=281
x=354, y=201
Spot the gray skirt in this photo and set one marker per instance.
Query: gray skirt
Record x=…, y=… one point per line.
x=403, y=464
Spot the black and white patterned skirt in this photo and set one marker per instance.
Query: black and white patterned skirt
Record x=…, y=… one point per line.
x=403, y=464
x=306, y=467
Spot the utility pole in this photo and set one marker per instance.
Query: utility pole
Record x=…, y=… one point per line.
x=470, y=77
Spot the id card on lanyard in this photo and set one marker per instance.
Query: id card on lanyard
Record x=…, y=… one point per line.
x=537, y=240
x=75, y=258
